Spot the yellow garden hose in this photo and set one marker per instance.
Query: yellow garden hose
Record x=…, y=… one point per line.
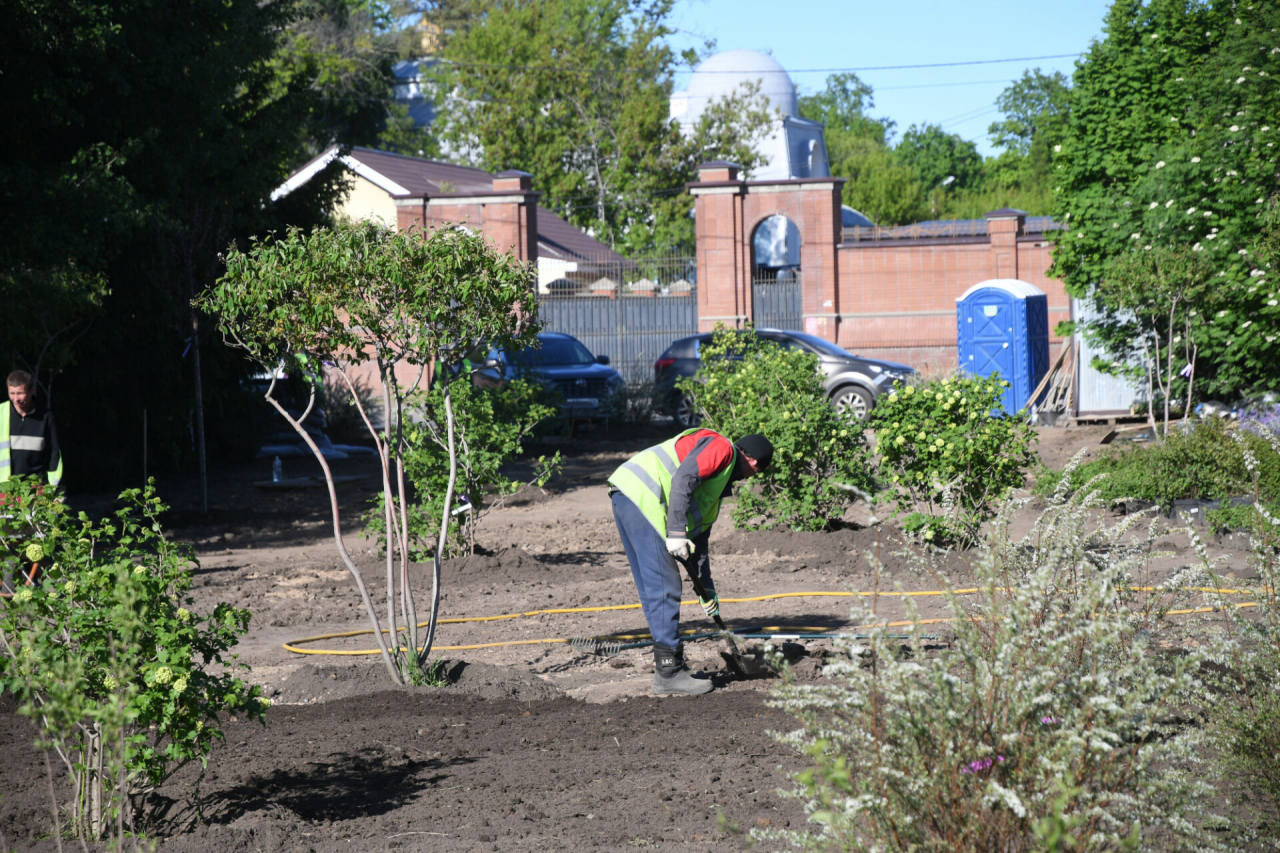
x=293, y=645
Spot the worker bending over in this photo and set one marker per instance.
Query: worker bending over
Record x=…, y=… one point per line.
x=665, y=500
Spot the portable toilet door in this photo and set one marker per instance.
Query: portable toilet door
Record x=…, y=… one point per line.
x=1002, y=325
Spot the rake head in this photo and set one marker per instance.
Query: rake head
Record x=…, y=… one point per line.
x=592, y=646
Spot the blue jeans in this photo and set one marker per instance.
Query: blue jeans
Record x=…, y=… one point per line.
x=659, y=579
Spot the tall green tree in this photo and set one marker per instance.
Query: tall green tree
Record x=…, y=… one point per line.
x=139, y=132
x=1170, y=141
x=943, y=162
x=576, y=92
x=858, y=150
x=1035, y=106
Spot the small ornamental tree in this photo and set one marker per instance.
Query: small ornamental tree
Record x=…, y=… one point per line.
x=751, y=385
x=1157, y=302
x=406, y=303
x=948, y=447
x=124, y=681
x=491, y=425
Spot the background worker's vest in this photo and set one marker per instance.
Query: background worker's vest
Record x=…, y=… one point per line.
x=646, y=479
x=6, y=463
x=6, y=457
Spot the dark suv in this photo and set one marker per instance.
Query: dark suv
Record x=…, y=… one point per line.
x=584, y=381
x=852, y=383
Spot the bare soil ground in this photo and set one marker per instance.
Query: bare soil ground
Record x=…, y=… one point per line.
x=535, y=746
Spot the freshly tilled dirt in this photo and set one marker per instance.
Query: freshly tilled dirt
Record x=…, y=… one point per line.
x=536, y=746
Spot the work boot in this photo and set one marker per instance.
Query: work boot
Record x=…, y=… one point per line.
x=672, y=678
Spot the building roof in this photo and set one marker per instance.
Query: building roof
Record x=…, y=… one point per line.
x=725, y=73
x=399, y=174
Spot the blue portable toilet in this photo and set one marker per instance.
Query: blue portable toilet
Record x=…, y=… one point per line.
x=1003, y=325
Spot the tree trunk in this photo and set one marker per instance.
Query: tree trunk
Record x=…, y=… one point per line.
x=444, y=527
x=204, y=473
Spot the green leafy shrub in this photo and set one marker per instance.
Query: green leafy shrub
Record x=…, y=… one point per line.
x=751, y=385
x=1201, y=460
x=122, y=678
x=491, y=425
x=1047, y=720
x=1245, y=706
x=946, y=447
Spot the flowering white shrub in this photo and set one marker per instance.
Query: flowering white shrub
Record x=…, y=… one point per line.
x=1048, y=722
x=1244, y=701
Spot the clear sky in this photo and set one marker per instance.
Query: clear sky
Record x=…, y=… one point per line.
x=813, y=34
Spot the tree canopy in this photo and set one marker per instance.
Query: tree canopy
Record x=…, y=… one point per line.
x=576, y=92
x=1170, y=141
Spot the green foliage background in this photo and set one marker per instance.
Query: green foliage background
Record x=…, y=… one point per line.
x=1170, y=141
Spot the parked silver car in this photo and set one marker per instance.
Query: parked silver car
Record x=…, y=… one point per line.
x=852, y=383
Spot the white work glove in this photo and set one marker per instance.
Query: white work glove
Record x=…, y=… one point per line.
x=680, y=548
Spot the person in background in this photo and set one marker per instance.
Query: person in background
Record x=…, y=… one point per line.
x=28, y=437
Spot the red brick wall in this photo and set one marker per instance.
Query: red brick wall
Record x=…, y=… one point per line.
x=909, y=289
x=512, y=226
x=893, y=299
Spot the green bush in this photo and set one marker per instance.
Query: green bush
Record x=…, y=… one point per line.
x=750, y=385
x=946, y=447
x=1049, y=721
x=1245, y=704
x=1201, y=460
x=123, y=680
x=491, y=425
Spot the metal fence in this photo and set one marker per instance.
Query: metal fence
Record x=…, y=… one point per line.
x=776, y=299
x=940, y=228
x=628, y=309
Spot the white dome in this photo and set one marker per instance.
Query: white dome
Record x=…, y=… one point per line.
x=724, y=74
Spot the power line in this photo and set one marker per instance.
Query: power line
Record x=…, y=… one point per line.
x=757, y=70
x=939, y=85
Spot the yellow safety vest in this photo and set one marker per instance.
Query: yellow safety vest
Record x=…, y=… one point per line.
x=6, y=457
x=646, y=479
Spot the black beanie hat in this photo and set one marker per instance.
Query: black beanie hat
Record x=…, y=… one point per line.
x=757, y=447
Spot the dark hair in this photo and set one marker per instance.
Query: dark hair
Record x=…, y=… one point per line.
x=22, y=378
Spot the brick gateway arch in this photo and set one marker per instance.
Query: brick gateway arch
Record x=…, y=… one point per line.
x=888, y=293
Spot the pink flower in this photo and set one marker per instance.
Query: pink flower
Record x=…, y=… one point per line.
x=980, y=765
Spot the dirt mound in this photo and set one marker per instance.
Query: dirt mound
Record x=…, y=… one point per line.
x=824, y=547
x=312, y=684
x=512, y=563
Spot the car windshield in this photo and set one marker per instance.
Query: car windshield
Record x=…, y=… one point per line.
x=556, y=352
x=818, y=345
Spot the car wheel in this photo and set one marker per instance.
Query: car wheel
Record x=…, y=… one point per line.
x=686, y=412
x=852, y=402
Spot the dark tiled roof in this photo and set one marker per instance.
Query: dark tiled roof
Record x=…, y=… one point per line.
x=423, y=176
x=556, y=238
x=1006, y=211
x=559, y=239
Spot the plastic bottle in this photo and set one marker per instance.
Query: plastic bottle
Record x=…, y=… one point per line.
x=277, y=471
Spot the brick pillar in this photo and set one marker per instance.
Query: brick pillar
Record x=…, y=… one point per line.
x=724, y=257
x=821, y=230
x=520, y=216
x=1004, y=226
